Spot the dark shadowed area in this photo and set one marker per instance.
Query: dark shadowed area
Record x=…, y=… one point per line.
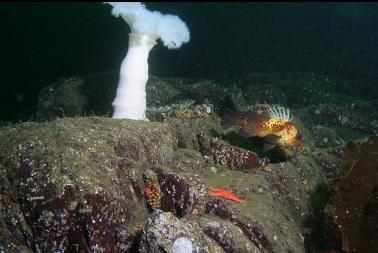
x=43, y=42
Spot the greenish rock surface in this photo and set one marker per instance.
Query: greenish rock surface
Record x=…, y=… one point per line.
x=76, y=184
x=72, y=172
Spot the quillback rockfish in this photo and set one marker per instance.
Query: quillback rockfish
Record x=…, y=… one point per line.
x=272, y=123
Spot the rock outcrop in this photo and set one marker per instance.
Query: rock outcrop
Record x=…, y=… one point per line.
x=76, y=184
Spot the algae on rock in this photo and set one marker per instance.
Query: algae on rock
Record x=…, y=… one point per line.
x=85, y=175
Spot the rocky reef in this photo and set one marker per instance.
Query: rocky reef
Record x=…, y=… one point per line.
x=321, y=100
x=96, y=184
x=353, y=206
x=76, y=185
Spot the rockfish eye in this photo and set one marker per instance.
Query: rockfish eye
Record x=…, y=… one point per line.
x=298, y=137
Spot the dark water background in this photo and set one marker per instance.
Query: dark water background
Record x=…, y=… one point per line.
x=43, y=42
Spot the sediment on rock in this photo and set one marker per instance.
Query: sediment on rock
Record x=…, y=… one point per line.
x=85, y=175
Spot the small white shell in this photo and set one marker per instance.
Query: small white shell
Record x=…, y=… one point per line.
x=182, y=245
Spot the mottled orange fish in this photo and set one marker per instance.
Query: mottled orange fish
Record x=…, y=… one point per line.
x=218, y=192
x=274, y=124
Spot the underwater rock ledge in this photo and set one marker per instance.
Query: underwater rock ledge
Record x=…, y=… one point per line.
x=354, y=204
x=77, y=185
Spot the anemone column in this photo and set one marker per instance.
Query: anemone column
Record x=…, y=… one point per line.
x=130, y=101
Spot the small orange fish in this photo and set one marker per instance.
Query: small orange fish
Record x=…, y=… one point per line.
x=218, y=192
x=274, y=124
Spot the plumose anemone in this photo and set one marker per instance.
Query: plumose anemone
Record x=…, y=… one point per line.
x=146, y=28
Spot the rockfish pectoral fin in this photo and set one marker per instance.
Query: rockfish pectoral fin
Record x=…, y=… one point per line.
x=246, y=133
x=267, y=146
x=272, y=139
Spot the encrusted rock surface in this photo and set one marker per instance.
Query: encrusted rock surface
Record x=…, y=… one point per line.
x=325, y=99
x=78, y=96
x=354, y=206
x=76, y=184
x=332, y=109
x=164, y=232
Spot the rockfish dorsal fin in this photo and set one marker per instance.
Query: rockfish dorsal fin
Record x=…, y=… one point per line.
x=279, y=112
